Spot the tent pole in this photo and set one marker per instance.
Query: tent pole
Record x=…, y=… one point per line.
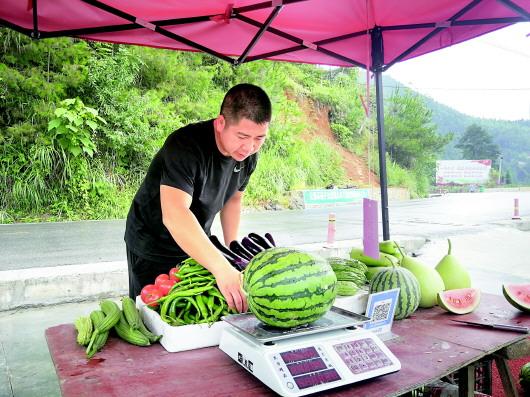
x=382, y=151
x=35, y=33
x=377, y=66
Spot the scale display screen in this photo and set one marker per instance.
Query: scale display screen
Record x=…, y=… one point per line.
x=304, y=367
x=293, y=356
x=308, y=368
x=316, y=378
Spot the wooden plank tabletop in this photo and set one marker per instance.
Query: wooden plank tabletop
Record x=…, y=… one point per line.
x=492, y=309
x=428, y=345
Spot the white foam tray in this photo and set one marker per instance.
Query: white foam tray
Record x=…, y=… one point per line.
x=180, y=338
x=355, y=303
x=189, y=337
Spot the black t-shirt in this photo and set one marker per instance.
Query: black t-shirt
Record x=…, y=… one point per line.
x=189, y=161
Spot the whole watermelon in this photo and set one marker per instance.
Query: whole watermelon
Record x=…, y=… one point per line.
x=399, y=277
x=287, y=287
x=524, y=378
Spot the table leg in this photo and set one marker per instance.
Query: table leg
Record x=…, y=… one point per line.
x=466, y=381
x=508, y=384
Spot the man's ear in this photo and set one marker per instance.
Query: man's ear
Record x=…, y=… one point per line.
x=220, y=123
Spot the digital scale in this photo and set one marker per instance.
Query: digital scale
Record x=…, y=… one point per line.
x=328, y=353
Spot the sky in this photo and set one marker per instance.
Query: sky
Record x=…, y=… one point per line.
x=486, y=77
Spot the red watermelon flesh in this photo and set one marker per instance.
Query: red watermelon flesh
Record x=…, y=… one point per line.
x=518, y=295
x=459, y=301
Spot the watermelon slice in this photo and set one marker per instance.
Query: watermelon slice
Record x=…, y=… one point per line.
x=518, y=295
x=459, y=301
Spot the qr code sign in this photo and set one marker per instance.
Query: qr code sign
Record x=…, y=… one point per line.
x=381, y=311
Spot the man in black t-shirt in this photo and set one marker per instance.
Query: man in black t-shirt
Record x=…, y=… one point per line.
x=201, y=170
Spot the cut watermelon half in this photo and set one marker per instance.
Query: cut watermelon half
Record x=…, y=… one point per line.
x=459, y=301
x=518, y=295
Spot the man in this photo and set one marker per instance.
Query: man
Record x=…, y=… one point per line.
x=201, y=169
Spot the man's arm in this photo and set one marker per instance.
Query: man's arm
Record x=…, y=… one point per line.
x=188, y=234
x=231, y=216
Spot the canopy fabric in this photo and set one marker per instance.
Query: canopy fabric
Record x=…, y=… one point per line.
x=330, y=32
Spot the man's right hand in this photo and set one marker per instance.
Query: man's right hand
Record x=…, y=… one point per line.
x=229, y=283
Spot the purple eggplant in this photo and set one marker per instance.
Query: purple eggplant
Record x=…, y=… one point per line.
x=259, y=240
x=226, y=252
x=235, y=260
x=240, y=263
x=268, y=236
x=238, y=249
x=251, y=246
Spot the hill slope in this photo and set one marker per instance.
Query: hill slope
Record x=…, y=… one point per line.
x=513, y=137
x=356, y=167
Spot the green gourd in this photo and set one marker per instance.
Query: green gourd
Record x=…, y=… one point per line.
x=429, y=280
x=391, y=247
x=384, y=260
x=454, y=275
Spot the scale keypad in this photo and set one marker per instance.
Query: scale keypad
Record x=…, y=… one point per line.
x=362, y=355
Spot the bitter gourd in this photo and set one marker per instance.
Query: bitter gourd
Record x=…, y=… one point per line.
x=83, y=325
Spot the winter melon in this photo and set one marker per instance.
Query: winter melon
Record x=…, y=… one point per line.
x=430, y=281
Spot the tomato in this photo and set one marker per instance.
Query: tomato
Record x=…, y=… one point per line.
x=150, y=296
x=147, y=288
x=165, y=286
x=160, y=278
x=173, y=274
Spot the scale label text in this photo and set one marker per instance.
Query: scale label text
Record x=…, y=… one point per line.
x=245, y=362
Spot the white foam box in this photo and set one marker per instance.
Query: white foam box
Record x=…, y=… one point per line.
x=183, y=337
x=355, y=303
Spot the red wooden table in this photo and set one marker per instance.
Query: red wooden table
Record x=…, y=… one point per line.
x=428, y=345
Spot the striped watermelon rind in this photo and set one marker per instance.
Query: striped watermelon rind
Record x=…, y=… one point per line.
x=524, y=377
x=287, y=287
x=409, y=289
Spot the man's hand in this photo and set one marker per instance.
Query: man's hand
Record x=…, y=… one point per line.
x=188, y=234
x=229, y=283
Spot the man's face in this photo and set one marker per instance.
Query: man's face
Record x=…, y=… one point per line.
x=241, y=139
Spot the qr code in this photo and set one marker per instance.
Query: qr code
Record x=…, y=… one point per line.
x=381, y=311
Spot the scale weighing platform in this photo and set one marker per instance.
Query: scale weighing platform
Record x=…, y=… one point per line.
x=328, y=353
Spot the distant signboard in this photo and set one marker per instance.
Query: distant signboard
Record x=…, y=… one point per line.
x=333, y=197
x=462, y=172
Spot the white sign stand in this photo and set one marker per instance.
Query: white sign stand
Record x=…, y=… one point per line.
x=380, y=308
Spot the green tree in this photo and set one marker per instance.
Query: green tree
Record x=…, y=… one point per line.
x=477, y=144
x=413, y=142
x=411, y=137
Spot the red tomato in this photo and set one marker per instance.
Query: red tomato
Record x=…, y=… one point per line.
x=173, y=274
x=147, y=288
x=150, y=296
x=165, y=286
x=160, y=278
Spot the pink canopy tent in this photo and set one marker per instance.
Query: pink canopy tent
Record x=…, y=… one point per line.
x=373, y=34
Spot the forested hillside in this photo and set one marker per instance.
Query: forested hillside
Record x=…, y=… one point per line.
x=80, y=122
x=513, y=137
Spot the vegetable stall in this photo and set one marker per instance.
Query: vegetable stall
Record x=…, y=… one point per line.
x=370, y=34
x=293, y=297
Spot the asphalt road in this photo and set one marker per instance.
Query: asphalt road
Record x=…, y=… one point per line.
x=67, y=243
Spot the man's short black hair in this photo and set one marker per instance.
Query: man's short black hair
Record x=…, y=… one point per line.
x=246, y=101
